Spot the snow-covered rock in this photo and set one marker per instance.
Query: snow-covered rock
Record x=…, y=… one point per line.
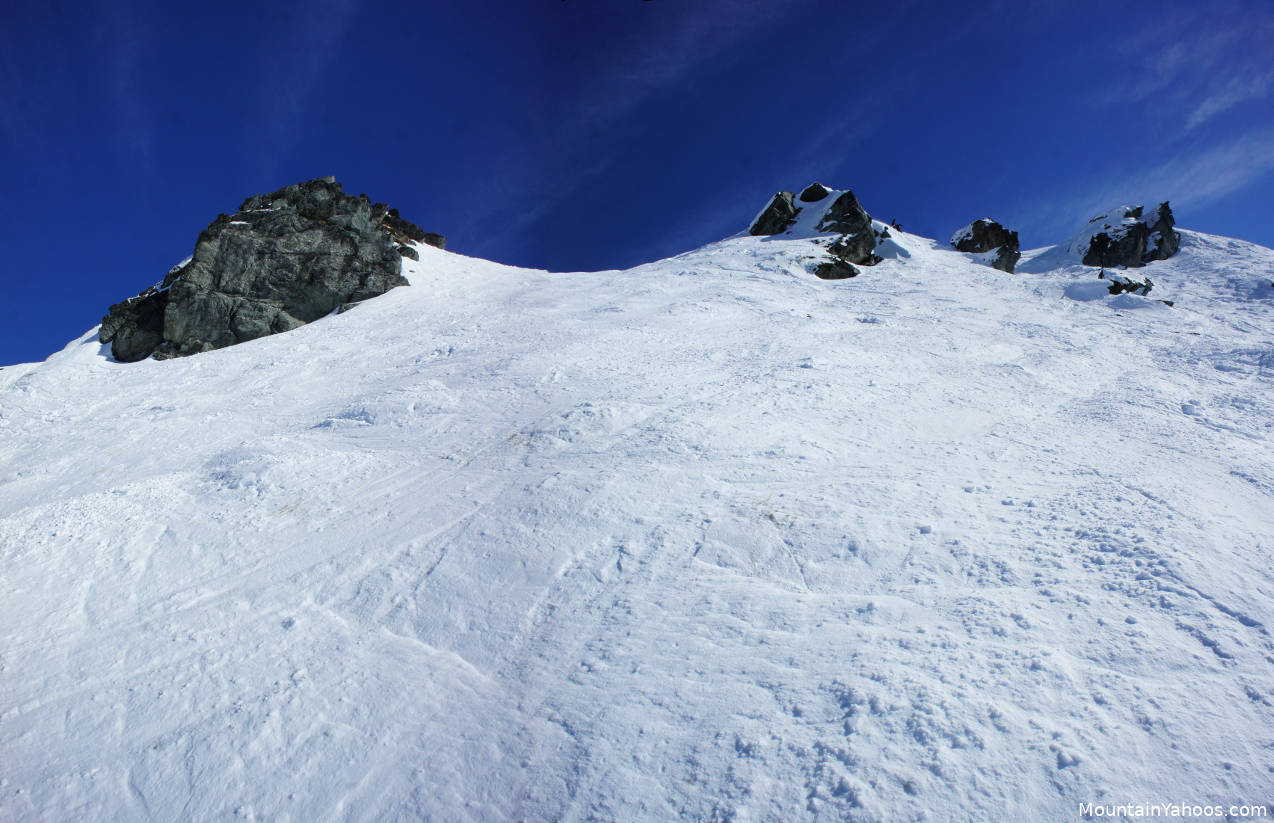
x=997, y=245
x=824, y=214
x=1122, y=236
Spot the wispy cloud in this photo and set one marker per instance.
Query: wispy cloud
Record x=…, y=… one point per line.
x=1190, y=65
x=1236, y=90
x=1188, y=180
x=1199, y=61
x=1209, y=176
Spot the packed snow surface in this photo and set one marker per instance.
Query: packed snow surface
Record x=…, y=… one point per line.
x=707, y=539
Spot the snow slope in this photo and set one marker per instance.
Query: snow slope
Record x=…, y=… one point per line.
x=708, y=539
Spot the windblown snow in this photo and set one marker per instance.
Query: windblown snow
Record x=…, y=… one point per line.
x=707, y=539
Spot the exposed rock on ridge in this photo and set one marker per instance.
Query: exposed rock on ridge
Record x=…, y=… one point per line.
x=843, y=216
x=777, y=216
x=985, y=236
x=282, y=260
x=857, y=241
x=1124, y=237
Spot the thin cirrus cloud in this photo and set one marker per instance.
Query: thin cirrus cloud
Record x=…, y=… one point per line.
x=1199, y=62
x=1216, y=173
x=1188, y=180
x=1194, y=65
x=1236, y=90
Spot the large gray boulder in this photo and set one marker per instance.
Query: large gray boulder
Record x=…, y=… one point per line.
x=777, y=216
x=987, y=237
x=282, y=260
x=1124, y=236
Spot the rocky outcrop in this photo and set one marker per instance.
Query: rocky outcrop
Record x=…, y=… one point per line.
x=1005, y=258
x=1124, y=237
x=814, y=192
x=985, y=236
x=135, y=327
x=845, y=216
x=777, y=216
x=855, y=248
x=1123, y=283
x=835, y=269
x=282, y=260
x=856, y=241
x=1163, y=239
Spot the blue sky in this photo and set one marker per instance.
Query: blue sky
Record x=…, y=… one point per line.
x=591, y=134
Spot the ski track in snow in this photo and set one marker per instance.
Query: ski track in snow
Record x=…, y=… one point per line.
x=708, y=539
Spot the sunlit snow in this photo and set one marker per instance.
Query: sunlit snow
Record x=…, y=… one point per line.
x=707, y=539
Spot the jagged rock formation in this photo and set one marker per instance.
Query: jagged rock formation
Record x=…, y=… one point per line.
x=844, y=216
x=985, y=236
x=777, y=216
x=1123, y=237
x=857, y=241
x=282, y=260
x=982, y=235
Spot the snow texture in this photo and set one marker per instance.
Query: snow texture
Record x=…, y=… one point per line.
x=708, y=539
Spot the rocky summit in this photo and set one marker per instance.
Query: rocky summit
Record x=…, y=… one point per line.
x=282, y=260
x=855, y=234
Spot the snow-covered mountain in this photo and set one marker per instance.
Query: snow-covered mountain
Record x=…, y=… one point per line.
x=707, y=539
